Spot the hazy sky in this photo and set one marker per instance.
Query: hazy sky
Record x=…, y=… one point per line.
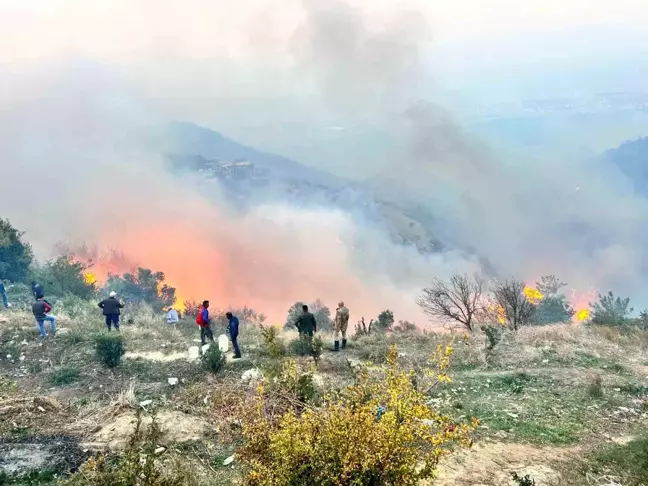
x=260, y=32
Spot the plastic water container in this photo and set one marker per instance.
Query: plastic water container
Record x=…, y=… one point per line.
x=223, y=343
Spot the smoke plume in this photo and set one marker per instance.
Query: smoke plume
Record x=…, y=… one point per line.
x=79, y=164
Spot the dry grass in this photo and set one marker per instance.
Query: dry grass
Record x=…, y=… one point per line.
x=126, y=398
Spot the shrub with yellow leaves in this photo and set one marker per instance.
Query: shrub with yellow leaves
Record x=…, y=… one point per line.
x=379, y=431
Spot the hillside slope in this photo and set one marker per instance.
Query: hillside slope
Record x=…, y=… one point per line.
x=562, y=404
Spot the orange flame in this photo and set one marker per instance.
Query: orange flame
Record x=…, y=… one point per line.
x=580, y=301
x=582, y=315
x=533, y=295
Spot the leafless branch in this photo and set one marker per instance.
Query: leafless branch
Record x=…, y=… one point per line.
x=454, y=300
x=516, y=309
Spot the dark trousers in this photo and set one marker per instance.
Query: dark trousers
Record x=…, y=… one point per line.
x=237, y=350
x=114, y=320
x=4, y=299
x=206, y=333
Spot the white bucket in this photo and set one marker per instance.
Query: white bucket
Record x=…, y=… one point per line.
x=223, y=343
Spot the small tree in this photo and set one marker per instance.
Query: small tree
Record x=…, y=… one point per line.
x=385, y=321
x=611, y=311
x=64, y=276
x=509, y=296
x=318, y=309
x=213, y=359
x=143, y=286
x=16, y=254
x=455, y=300
x=554, y=306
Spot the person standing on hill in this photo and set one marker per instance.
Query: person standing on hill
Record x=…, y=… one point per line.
x=111, y=310
x=305, y=323
x=341, y=324
x=203, y=320
x=41, y=309
x=233, y=330
x=3, y=295
x=37, y=290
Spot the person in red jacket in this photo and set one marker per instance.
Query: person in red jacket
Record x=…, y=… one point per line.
x=41, y=309
x=203, y=320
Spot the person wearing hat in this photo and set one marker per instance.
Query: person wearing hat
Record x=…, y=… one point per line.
x=111, y=310
x=340, y=325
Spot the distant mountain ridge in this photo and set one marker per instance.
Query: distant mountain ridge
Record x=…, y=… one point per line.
x=631, y=158
x=188, y=138
x=194, y=148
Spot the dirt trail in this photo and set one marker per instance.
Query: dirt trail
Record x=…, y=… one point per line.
x=492, y=464
x=156, y=356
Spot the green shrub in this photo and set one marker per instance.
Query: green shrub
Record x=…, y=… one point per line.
x=303, y=346
x=523, y=481
x=299, y=346
x=65, y=375
x=595, y=389
x=405, y=326
x=213, y=359
x=515, y=383
x=110, y=349
x=316, y=348
x=611, y=311
x=375, y=432
x=273, y=345
x=628, y=461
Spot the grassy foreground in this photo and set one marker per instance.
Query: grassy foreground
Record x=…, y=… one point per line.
x=560, y=404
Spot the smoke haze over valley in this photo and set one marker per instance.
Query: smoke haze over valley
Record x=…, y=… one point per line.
x=368, y=175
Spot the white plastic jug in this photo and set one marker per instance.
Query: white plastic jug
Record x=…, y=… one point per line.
x=223, y=343
x=193, y=353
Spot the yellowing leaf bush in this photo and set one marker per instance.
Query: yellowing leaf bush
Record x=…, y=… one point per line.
x=379, y=431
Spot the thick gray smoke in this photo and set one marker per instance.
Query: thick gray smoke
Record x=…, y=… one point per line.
x=78, y=164
x=526, y=217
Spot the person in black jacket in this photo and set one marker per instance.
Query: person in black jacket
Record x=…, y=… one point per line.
x=306, y=324
x=233, y=330
x=37, y=290
x=111, y=308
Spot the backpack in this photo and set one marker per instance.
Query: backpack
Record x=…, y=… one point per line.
x=199, y=317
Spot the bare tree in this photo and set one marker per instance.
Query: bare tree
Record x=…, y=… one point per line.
x=455, y=300
x=512, y=304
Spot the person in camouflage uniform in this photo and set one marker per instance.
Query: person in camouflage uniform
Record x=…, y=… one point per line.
x=340, y=325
